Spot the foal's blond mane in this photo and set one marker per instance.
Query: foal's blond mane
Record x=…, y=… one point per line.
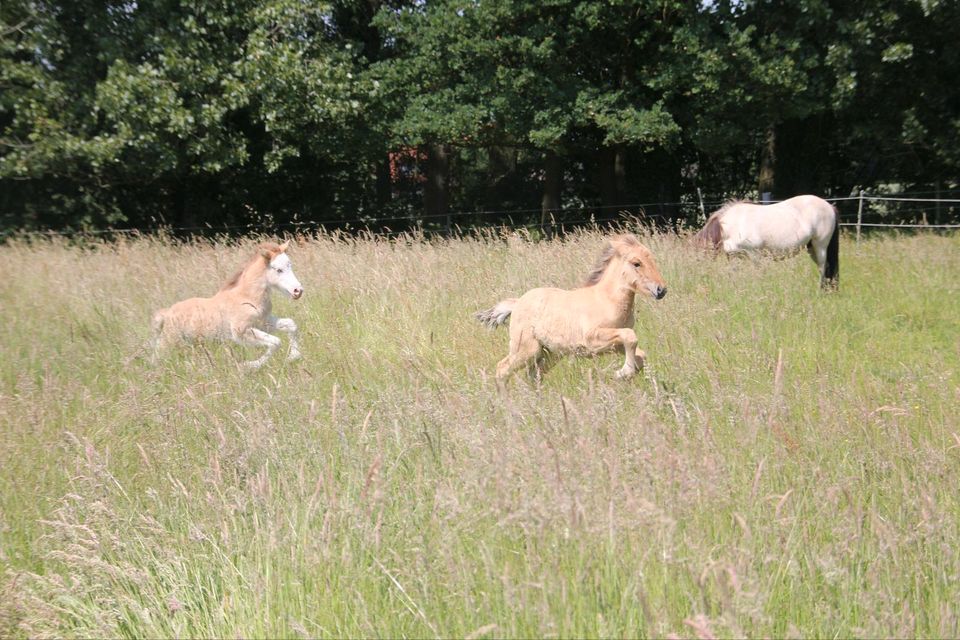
x=266, y=250
x=609, y=251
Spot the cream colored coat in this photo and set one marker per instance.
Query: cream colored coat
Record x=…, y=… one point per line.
x=241, y=311
x=593, y=319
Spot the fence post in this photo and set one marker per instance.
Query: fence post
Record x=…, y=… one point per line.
x=859, y=215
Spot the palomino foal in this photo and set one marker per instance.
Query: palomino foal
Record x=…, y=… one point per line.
x=240, y=311
x=595, y=318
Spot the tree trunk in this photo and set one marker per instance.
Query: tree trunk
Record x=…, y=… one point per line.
x=186, y=217
x=768, y=159
x=552, y=186
x=436, y=191
x=383, y=186
x=500, y=182
x=613, y=178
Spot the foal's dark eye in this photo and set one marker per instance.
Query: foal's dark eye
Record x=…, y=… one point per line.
x=638, y=264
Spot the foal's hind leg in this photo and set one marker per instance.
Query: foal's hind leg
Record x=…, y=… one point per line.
x=258, y=338
x=158, y=339
x=523, y=350
x=288, y=326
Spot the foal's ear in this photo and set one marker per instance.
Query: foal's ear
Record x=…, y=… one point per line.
x=284, y=246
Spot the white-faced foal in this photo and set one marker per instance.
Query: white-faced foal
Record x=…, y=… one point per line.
x=241, y=311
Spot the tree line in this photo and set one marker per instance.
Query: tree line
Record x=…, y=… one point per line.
x=395, y=113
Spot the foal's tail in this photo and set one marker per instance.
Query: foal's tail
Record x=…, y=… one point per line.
x=498, y=314
x=831, y=268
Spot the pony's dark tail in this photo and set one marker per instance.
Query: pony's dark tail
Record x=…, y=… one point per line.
x=831, y=268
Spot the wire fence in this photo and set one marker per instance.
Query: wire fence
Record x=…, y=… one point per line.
x=932, y=206
x=888, y=211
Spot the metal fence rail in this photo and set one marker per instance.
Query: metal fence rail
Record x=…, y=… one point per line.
x=863, y=198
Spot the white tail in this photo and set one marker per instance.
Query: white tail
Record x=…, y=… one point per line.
x=498, y=315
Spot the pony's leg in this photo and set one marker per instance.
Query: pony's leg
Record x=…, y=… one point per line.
x=154, y=348
x=641, y=357
x=522, y=351
x=288, y=326
x=541, y=363
x=158, y=344
x=601, y=340
x=819, y=254
x=533, y=370
x=158, y=340
x=824, y=252
x=257, y=338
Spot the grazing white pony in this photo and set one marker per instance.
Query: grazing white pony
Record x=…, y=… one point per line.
x=781, y=227
x=590, y=320
x=240, y=311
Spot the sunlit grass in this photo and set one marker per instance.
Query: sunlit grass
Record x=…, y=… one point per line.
x=787, y=464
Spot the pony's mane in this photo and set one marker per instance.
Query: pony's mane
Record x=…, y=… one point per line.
x=232, y=282
x=728, y=204
x=266, y=250
x=609, y=251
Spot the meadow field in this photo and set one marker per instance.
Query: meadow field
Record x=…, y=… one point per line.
x=788, y=464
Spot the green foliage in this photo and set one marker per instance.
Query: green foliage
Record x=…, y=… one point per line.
x=516, y=73
x=305, y=88
x=219, y=113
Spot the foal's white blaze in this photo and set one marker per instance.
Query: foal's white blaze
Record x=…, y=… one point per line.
x=280, y=276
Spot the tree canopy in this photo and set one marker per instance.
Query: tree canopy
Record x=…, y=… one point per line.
x=215, y=114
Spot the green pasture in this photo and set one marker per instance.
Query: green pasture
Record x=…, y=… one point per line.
x=788, y=464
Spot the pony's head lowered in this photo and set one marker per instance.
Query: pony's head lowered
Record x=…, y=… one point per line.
x=711, y=236
x=636, y=268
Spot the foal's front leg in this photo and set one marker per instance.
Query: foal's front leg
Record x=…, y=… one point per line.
x=288, y=326
x=256, y=337
x=601, y=340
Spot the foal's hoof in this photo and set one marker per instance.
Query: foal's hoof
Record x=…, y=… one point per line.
x=294, y=355
x=626, y=373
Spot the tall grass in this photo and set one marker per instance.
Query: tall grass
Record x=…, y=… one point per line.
x=787, y=464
